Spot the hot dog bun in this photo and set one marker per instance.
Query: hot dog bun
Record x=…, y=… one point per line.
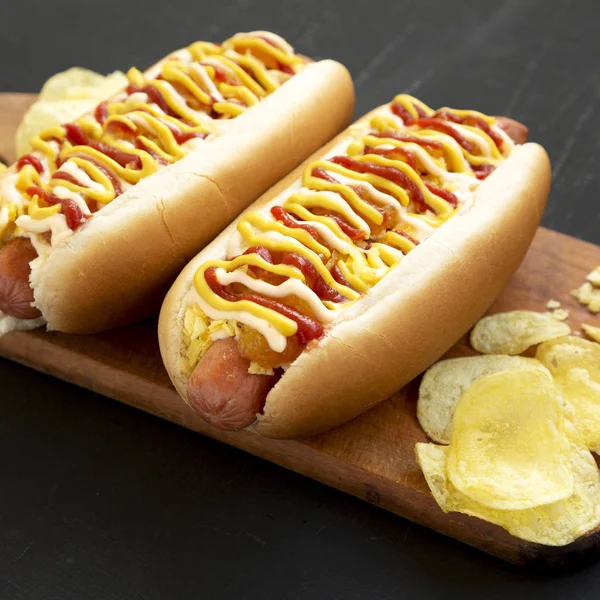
x=117, y=267
x=408, y=319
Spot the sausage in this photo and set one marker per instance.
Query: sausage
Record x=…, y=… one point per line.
x=222, y=391
x=516, y=131
x=16, y=295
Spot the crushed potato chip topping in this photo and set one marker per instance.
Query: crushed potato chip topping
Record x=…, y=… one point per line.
x=199, y=332
x=199, y=335
x=552, y=304
x=516, y=331
x=256, y=369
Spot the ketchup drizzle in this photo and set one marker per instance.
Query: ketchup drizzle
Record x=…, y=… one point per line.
x=282, y=215
x=308, y=329
x=472, y=120
x=73, y=214
x=442, y=193
x=390, y=173
x=30, y=159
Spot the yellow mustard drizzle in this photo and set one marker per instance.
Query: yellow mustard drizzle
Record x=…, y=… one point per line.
x=285, y=326
x=445, y=165
x=206, y=83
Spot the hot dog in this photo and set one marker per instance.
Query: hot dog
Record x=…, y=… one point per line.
x=223, y=391
x=516, y=131
x=105, y=211
x=356, y=272
x=16, y=296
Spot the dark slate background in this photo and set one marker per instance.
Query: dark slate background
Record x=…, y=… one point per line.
x=100, y=502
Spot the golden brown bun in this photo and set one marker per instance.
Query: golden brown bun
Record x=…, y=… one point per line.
x=116, y=268
x=406, y=321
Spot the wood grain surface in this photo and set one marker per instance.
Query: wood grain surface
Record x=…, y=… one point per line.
x=12, y=108
x=371, y=457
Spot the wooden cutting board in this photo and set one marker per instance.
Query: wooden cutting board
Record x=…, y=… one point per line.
x=373, y=456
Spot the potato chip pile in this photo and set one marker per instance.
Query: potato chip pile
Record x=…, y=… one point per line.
x=514, y=434
x=65, y=97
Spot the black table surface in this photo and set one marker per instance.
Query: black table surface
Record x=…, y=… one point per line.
x=101, y=502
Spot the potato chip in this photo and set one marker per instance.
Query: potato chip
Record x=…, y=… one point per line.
x=445, y=382
x=591, y=331
x=44, y=114
x=82, y=84
x=552, y=304
x=514, y=332
x=65, y=97
x=555, y=524
x=3, y=167
x=509, y=447
x=575, y=367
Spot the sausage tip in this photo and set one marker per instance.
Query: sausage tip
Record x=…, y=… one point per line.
x=16, y=295
x=222, y=391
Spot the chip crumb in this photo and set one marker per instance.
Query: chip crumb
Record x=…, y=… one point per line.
x=584, y=293
x=560, y=314
x=591, y=331
x=256, y=369
x=552, y=304
x=588, y=296
x=594, y=277
x=589, y=293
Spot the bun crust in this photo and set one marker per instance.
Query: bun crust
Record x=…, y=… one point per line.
x=117, y=267
x=407, y=320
